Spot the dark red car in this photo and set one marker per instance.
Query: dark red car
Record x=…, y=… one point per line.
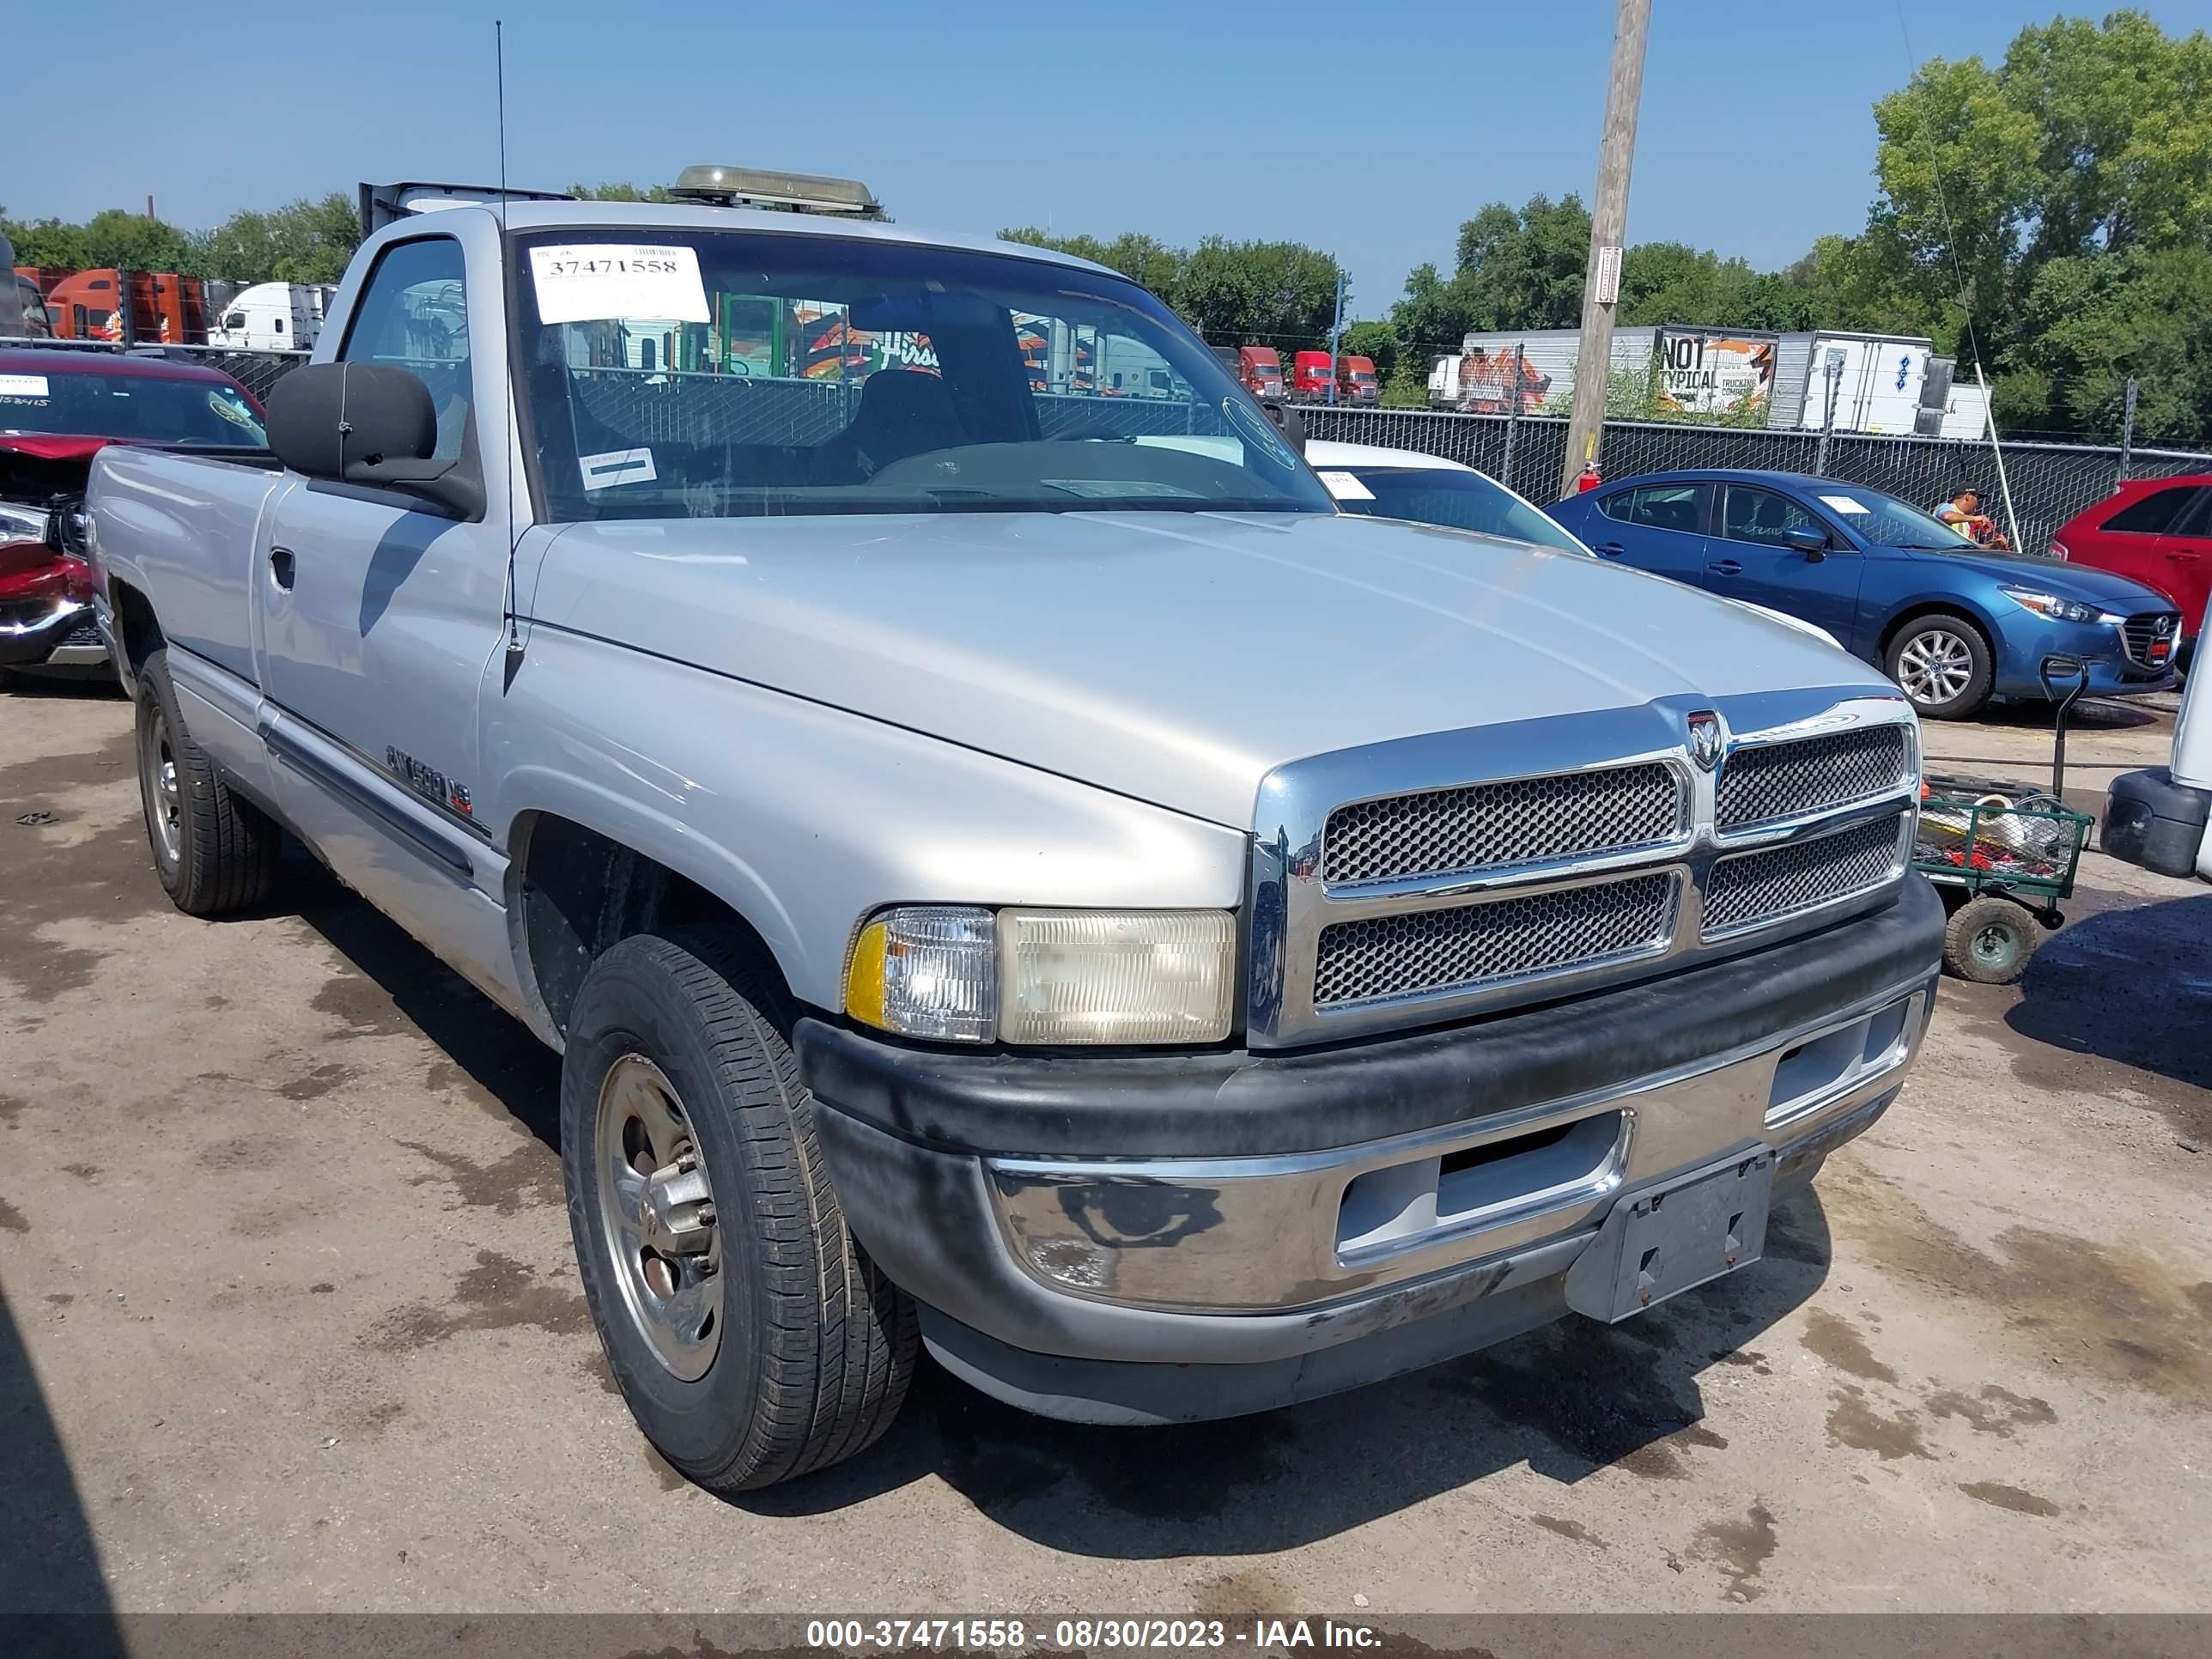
x=59, y=408
x=2158, y=531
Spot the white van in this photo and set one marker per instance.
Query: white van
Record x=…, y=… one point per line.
x=269, y=317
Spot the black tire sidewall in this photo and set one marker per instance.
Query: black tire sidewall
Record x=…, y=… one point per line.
x=1979, y=914
x=155, y=696
x=631, y=1005
x=1968, y=702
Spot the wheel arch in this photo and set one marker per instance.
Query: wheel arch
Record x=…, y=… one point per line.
x=579, y=882
x=1914, y=610
x=138, y=630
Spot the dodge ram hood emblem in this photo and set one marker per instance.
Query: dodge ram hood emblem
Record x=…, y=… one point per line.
x=1705, y=740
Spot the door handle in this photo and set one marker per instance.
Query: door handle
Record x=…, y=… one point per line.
x=281, y=567
x=1608, y=550
x=2181, y=555
x=1725, y=567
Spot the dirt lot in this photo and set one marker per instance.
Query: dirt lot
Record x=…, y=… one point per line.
x=289, y=1320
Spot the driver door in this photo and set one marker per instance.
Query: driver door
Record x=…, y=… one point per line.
x=380, y=615
x=1749, y=558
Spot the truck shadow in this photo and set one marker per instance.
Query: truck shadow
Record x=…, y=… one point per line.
x=499, y=1053
x=49, y=1562
x=1568, y=1400
x=2132, y=986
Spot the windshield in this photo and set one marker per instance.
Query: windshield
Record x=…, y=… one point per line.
x=1885, y=521
x=1456, y=500
x=193, y=414
x=737, y=373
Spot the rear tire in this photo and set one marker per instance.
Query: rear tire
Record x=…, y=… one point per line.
x=752, y=1339
x=1941, y=662
x=1990, y=941
x=214, y=851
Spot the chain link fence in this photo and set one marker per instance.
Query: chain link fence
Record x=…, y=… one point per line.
x=2051, y=482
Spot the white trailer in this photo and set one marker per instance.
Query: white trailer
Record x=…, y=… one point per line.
x=1878, y=380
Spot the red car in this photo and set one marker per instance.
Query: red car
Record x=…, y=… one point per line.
x=59, y=408
x=2158, y=531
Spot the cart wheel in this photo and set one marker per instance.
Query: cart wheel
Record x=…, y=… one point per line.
x=1988, y=941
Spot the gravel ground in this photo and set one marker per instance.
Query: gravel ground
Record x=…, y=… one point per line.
x=289, y=1321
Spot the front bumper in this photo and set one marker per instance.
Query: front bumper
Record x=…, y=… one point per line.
x=2024, y=644
x=1171, y=1238
x=61, y=634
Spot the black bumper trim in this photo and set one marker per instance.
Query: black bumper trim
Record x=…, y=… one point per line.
x=1242, y=1103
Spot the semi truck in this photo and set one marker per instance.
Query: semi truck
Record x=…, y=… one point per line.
x=996, y=890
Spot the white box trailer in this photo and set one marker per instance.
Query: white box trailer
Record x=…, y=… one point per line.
x=1877, y=381
x=1711, y=371
x=1690, y=369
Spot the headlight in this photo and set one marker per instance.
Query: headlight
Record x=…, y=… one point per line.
x=2050, y=605
x=963, y=974
x=23, y=524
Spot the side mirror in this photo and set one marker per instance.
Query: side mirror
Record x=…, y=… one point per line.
x=1288, y=421
x=364, y=423
x=1804, y=540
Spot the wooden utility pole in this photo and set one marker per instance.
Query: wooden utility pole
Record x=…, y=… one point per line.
x=1608, y=226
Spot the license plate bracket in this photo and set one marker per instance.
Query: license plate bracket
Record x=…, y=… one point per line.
x=1674, y=1237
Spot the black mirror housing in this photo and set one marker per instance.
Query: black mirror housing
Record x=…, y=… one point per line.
x=1288, y=421
x=363, y=423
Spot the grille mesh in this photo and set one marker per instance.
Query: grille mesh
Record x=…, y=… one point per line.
x=1751, y=887
x=1486, y=826
x=2141, y=632
x=1477, y=945
x=1781, y=779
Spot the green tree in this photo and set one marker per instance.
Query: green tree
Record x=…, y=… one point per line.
x=2025, y=208
x=1146, y=259
x=622, y=193
x=1373, y=340
x=1282, y=293
x=304, y=242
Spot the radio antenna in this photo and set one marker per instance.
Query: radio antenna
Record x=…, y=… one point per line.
x=506, y=458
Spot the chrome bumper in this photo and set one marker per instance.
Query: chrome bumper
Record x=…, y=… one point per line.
x=43, y=640
x=1296, y=1233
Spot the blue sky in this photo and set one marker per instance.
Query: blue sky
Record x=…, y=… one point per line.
x=1370, y=129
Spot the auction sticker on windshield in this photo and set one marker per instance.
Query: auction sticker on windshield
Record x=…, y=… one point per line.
x=1346, y=487
x=1844, y=504
x=24, y=385
x=600, y=282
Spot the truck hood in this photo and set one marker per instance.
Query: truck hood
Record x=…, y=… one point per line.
x=1173, y=658
x=2052, y=576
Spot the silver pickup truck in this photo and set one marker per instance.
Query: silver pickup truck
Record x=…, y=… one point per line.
x=1009, y=868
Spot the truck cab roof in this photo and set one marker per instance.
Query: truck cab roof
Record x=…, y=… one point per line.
x=648, y=215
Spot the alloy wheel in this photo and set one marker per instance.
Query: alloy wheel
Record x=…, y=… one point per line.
x=1935, y=667
x=658, y=1212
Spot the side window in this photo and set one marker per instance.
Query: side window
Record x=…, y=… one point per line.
x=1662, y=506
x=1760, y=515
x=413, y=315
x=2156, y=512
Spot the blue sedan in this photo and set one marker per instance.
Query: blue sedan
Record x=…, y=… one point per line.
x=1953, y=623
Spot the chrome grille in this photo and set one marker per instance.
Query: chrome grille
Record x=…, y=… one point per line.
x=1747, y=889
x=1773, y=780
x=1487, y=826
x=2142, y=633
x=1431, y=951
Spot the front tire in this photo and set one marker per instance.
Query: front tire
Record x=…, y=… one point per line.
x=751, y=1338
x=1942, y=662
x=214, y=851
